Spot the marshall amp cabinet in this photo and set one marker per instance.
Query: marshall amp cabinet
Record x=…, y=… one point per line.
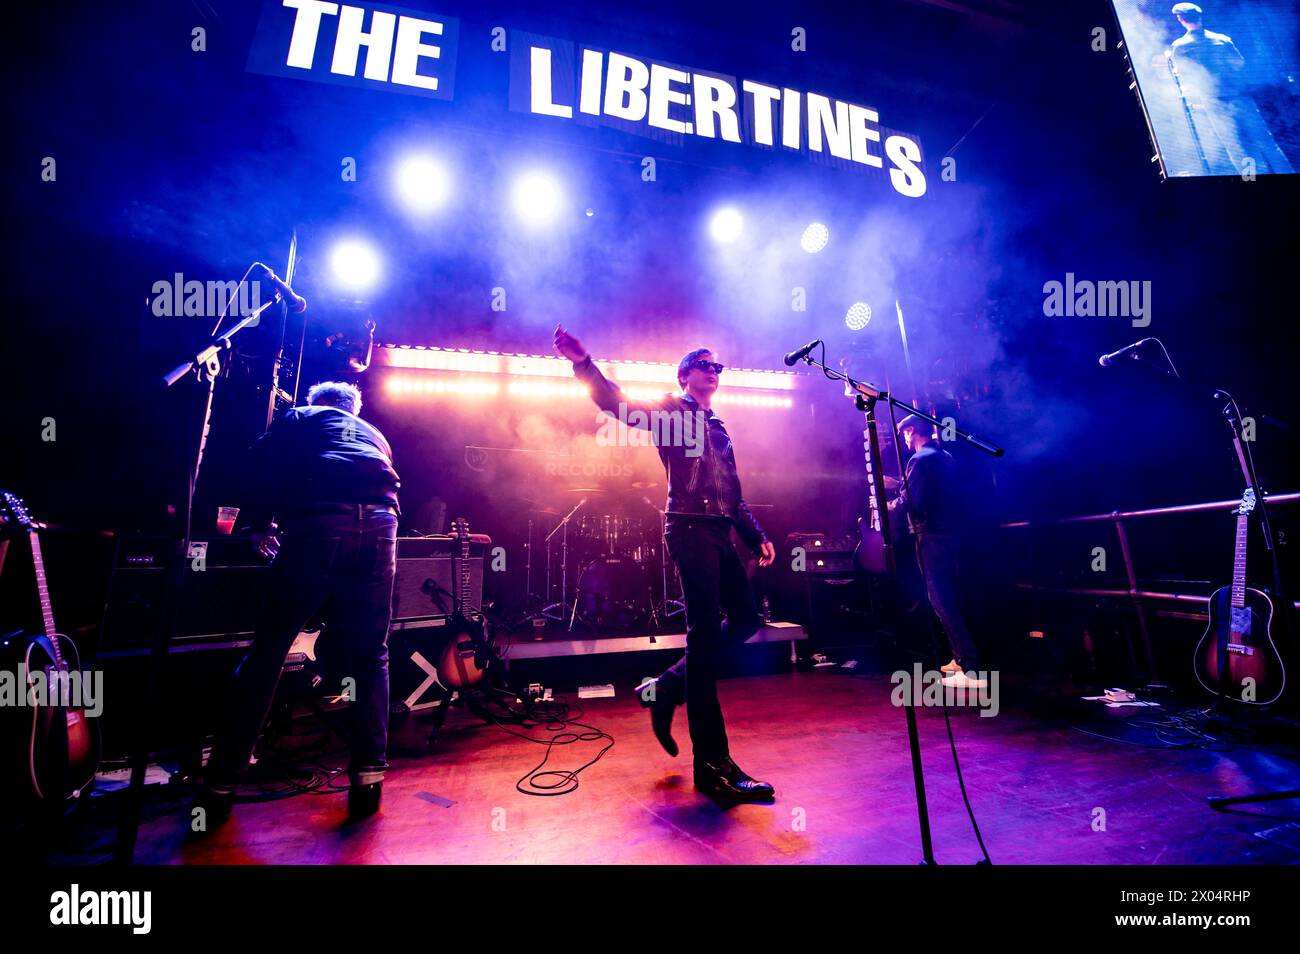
x=426, y=584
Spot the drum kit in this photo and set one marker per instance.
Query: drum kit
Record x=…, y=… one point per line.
x=606, y=569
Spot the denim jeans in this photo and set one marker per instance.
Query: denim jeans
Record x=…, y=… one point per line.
x=938, y=552
x=713, y=583
x=352, y=558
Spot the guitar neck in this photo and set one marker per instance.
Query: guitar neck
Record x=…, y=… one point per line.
x=1239, y=561
x=464, y=576
x=43, y=591
x=874, y=483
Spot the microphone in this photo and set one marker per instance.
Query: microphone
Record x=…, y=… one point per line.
x=1128, y=351
x=797, y=355
x=296, y=302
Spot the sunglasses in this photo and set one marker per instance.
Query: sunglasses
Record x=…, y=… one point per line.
x=703, y=365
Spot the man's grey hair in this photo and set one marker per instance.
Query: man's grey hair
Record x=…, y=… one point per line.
x=339, y=394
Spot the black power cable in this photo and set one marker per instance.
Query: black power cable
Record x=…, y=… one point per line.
x=555, y=718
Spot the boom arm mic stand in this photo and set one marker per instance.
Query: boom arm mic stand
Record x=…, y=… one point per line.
x=866, y=396
x=207, y=364
x=1246, y=459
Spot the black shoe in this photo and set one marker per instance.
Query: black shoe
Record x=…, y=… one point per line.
x=363, y=800
x=725, y=779
x=217, y=806
x=661, y=705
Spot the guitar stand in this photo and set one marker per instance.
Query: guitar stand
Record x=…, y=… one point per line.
x=468, y=698
x=1246, y=458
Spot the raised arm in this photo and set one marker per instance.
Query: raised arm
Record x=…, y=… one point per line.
x=609, y=397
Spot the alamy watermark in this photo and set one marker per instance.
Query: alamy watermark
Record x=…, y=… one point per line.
x=180, y=298
x=36, y=687
x=1089, y=299
x=926, y=688
x=662, y=427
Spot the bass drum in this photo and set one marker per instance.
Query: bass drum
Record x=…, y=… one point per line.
x=614, y=595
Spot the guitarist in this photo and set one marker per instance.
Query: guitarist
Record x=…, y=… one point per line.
x=930, y=499
x=328, y=477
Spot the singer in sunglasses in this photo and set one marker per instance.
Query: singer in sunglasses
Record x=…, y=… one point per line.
x=704, y=504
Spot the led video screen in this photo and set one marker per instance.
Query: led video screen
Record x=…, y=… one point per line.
x=1218, y=82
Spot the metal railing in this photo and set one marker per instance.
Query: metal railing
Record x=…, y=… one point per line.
x=1134, y=593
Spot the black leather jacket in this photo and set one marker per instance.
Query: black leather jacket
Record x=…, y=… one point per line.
x=695, y=448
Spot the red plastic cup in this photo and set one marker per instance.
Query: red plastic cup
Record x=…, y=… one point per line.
x=226, y=517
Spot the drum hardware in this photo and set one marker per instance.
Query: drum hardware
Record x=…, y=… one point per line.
x=600, y=566
x=614, y=594
x=556, y=611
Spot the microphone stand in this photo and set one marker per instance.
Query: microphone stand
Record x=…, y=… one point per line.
x=1187, y=112
x=1246, y=459
x=866, y=396
x=207, y=364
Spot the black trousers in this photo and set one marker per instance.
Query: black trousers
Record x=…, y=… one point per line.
x=348, y=556
x=938, y=553
x=714, y=584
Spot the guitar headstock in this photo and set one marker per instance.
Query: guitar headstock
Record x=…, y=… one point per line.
x=460, y=528
x=13, y=510
x=1247, y=502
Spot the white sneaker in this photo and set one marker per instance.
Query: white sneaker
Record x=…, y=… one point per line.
x=959, y=680
x=951, y=666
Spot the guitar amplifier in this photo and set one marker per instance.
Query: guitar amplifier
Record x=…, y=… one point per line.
x=223, y=601
x=220, y=602
x=826, y=554
x=426, y=582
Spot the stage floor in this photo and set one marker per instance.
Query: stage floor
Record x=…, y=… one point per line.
x=836, y=750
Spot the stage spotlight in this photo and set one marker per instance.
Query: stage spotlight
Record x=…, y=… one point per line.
x=355, y=265
x=726, y=225
x=537, y=198
x=422, y=183
x=815, y=237
x=858, y=315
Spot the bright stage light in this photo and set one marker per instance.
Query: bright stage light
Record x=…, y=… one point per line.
x=355, y=265
x=815, y=237
x=726, y=225
x=537, y=198
x=422, y=183
x=858, y=315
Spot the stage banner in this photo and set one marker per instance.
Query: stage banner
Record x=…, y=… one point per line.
x=376, y=46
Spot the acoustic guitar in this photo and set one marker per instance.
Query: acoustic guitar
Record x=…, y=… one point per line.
x=1236, y=658
x=53, y=745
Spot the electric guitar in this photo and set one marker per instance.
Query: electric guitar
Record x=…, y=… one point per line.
x=465, y=658
x=53, y=745
x=1236, y=657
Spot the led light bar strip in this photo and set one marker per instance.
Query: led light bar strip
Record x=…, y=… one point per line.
x=417, y=357
x=420, y=384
